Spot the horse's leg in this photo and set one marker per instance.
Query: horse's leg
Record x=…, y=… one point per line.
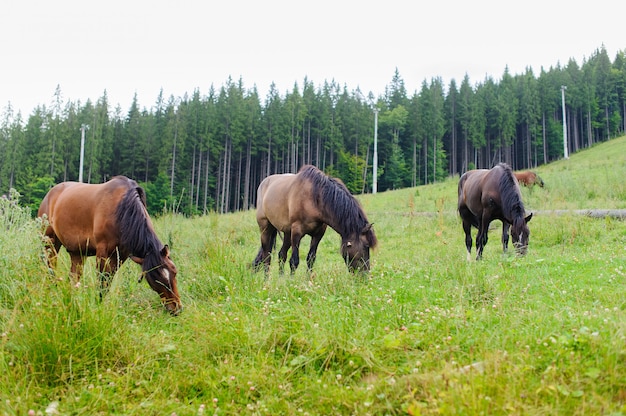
x=107, y=266
x=483, y=235
x=258, y=260
x=466, y=216
x=505, y=236
x=76, y=270
x=282, y=254
x=315, y=241
x=467, y=228
x=296, y=236
x=52, y=245
x=268, y=240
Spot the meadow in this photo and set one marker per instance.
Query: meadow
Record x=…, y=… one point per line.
x=426, y=333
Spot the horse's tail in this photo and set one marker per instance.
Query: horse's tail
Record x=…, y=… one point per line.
x=462, y=207
x=461, y=184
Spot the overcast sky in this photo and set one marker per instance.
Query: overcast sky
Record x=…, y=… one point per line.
x=142, y=46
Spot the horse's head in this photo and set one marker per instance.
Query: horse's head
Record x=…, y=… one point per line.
x=539, y=181
x=520, y=233
x=355, y=249
x=162, y=279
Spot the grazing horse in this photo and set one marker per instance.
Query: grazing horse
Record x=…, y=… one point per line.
x=109, y=221
x=306, y=203
x=488, y=194
x=528, y=179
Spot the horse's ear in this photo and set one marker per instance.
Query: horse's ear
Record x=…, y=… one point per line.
x=136, y=259
x=165, y=251
x=528, y=218
x=367, y=228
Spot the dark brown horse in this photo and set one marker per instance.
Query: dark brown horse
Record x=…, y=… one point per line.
x=306, y=203
x=109, y=221
x=529, y=178
x=492, y=194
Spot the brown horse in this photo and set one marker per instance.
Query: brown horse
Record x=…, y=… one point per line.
x=529, y=178
x=305, y=203
x=488, y=194
x=109, y=221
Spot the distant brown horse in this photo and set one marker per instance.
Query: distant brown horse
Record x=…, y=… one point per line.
x=109, y=221
x=488, y=194
x=529, y=178
x=305, y=203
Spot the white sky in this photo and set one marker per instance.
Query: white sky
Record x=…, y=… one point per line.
x=143, y=46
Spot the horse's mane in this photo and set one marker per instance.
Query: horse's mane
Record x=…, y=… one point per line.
x=332, y=196
x=137, y=236
x=512, y=205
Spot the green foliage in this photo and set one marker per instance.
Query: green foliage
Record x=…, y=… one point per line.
x=353, y=168
x=13, y=216
x=213, y=149
x=158, y=198
x=396, y=174
x=35, y=192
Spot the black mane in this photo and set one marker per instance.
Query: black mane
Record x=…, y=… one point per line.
x=336, y=201
x=512, y=205
x=137, y=235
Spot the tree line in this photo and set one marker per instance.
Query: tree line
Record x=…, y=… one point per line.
x=208, y=152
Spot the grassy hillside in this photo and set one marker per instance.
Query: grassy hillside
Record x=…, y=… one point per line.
x=592, y=179
x=426, y=333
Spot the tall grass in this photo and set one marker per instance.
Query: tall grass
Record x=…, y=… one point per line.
x=426, y=333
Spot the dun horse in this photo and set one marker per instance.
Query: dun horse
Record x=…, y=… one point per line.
x=488, y=194
x=109, y=221
x=306, y=203
x=529, y=179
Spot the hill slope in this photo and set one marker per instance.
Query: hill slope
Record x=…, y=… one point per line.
x=593, y=178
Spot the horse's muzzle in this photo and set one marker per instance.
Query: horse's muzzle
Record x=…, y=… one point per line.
x=173, y=307
x=362, y=267
x=520, y=249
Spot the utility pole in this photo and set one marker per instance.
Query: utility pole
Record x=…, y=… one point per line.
x=375, y=157
x=375, y=162
x=565, y=153
x=82, y=151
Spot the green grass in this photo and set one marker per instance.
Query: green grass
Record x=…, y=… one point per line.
x=426, y=333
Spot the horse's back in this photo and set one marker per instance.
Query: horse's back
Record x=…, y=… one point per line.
x=273, y=200
x=77, y=212
x=470, y=188
x=48, y=203
x=528, y=178
x=85, y=200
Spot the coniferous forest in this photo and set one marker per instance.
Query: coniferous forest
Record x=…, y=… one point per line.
x=208, y=150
